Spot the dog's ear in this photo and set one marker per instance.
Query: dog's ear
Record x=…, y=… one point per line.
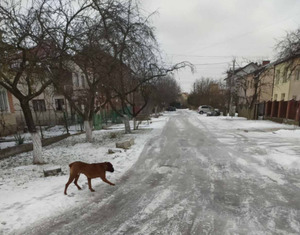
x=105, y=166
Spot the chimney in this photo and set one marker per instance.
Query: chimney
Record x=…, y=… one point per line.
x=265, y=62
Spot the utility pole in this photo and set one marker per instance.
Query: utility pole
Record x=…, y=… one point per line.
x=231, y=111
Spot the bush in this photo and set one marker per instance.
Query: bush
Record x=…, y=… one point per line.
x=19, y=139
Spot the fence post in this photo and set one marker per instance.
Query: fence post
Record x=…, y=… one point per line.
x=290, y=102
x=272, y=109
x=279, y=108
x=266, y=109
x=298, y=112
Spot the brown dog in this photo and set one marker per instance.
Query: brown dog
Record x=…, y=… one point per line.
x=90, y=171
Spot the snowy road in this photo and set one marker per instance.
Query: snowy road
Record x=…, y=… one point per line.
x=197, y=177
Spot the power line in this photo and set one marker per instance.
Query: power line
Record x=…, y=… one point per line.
x=218, y=56
x=213, y=63
x=247, y=33
x=205, y=56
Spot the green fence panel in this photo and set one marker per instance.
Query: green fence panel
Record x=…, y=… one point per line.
x=97, y=121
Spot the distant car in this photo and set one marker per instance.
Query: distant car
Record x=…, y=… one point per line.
x=215, y=112
x=204, y=109
x=171, y=108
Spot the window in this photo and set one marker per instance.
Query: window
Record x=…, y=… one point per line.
x=275, y=97
x=76, y=80
x=39, y=105
x=282, y=96
x=298, y=74
x=3, y=100
x=59, y=104
x=277, y=76
x=82, y=80
x=285, y=72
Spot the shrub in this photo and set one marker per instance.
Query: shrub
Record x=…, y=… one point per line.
x=19, y=139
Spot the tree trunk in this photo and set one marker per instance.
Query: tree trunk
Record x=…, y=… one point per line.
x=155, y=110
x=36, y=138
x=37, y=148
x=88, y=130
x=135, y=126
x=126, y=123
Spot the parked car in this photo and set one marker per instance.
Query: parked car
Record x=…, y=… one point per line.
x=171, y=108
x=215, y=112
x=204, y=109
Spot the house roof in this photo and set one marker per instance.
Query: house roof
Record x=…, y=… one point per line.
x=242, y=71
x=282, y=60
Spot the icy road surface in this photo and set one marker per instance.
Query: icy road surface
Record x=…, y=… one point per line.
x=197, y=177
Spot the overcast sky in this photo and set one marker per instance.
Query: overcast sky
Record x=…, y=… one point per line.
x=210, y=33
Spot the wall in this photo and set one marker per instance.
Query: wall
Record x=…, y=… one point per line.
x=7, y=152
x=295, y=84
x=281, y=87
x=244, y=111
x=49, y=117
x=266, y=85
x=8, y=124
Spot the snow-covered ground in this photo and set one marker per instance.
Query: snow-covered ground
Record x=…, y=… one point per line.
x=27, y=196
x=261, y=138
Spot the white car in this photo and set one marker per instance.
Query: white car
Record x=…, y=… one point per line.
x=204, y=109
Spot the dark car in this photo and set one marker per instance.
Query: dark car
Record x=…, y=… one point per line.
x=171, y=108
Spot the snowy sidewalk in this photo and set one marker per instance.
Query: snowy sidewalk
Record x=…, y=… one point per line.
x=27, y=196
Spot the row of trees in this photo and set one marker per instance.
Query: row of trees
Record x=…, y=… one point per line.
x=207, y=91
x=111, y=42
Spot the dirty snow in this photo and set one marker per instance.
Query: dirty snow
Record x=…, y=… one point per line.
x=26, y=196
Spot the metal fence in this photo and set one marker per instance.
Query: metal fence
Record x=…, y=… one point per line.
x=52, y=118
x=285, y=110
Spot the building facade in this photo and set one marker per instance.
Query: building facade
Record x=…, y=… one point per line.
x=287, y=80
x=8, y=123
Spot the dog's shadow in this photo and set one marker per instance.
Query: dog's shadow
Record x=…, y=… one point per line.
x=71, y=195
x=83, y=187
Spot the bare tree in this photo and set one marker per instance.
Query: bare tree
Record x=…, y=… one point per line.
x=251, y=84
x=289, y=46
x=132, y=40
x=82, y=61
x=165, y=91
x=207, y=91
x=288, y=50
x=25, y=54
x=111, y=43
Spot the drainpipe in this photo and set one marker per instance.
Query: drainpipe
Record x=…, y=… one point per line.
x=273, y=83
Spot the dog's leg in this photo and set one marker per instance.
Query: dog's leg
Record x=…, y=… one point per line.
x=75, y=182
x=106, y=180
x=68, y=183
x=90, y=185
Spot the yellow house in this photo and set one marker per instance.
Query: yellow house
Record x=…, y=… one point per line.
x=266, y=83
x=287, y=80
